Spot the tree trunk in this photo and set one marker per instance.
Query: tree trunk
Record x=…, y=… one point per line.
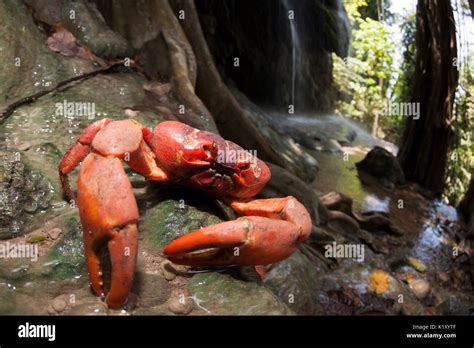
x=426, y=141
x=466, y=207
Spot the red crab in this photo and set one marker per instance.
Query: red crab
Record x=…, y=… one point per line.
x=268, y=231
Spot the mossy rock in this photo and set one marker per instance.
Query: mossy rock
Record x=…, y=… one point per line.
x=171, y=219
x=24, y=193
x=296, y=281
x=222, y=294
x=66, y=259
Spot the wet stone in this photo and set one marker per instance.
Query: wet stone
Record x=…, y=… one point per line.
x=167, y=270
x=151, y=289
x=221, y=294
x=169, y=220
x=54, y=233
x=59, y=304
x=181, y=305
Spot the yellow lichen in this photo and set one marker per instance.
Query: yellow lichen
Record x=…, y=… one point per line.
x=379, y=281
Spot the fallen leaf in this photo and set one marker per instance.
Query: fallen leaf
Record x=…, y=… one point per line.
x=379, y=281
x=416, y=264
x=63, y=42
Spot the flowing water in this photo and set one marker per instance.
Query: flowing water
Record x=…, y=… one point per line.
x=296, y=50
x=428, y=224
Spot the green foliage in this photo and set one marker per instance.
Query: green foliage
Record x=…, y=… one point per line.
x=362, y=80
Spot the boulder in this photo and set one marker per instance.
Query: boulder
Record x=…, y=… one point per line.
x=384, y=166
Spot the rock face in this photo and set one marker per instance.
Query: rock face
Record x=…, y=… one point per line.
x=66, y=259
x=22, y=193
x=296, y=281
x=304, y=42
x=171, y=219
x=218, y=293
x=384, y=166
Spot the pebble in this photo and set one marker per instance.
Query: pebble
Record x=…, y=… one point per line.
x=165, y=268
x=54, y=233
x=59, y=304
x=178, y=307
x=420, y=288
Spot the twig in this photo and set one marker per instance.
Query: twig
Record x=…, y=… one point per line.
x=10, y=108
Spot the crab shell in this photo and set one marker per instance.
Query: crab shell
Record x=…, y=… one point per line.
x=207, y=162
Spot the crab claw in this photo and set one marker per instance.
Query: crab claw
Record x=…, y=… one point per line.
x=109, y=217
x=249, y=240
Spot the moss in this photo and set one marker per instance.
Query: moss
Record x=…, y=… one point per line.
x=66, y=259
x=222, y=294
x=170, y=219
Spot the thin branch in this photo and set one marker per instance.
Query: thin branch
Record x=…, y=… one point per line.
x=10, y=108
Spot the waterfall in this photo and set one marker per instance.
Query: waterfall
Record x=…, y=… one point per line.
x=296, y=50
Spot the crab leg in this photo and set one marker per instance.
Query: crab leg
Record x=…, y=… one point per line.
x=109, y=215
x=77, y=152
x=269, y=232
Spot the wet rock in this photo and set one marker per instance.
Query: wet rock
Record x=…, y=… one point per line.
x=48, y=132
x=152, y=290
x=295, y=281
x=383, y=166
x=377, y=222
x=66, y=259
x=170, y=219
x=220, y=294
x=359, y=278
x=54, y=233
x=332, y=146
x=181, y=305
x=167, y=271
x=59, y=304
x=17, y=194
x=456, y=305
x=337, y=201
